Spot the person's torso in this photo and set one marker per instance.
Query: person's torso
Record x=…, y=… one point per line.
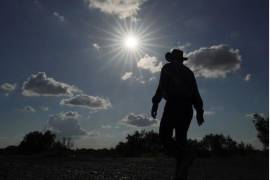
x=180, y=82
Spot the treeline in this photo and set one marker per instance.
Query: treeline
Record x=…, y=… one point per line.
x=142, y=143
x=139, y=144
x=148, y=143
x=37, y=142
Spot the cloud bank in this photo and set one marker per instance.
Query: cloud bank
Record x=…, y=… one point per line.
x=66, y=124
x=138, y=120
x=86, y=101
x=40, y=84
x=121, y=8
x=214, y=62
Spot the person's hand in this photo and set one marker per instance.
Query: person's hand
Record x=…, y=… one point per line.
x=200, y=118
x=154, y=110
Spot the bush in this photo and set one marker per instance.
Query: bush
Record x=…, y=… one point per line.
x=38, y=142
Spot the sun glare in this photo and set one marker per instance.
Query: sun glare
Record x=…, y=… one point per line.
x=131, y=42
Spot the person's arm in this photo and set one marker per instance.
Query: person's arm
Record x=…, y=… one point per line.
x=197, y=102
x=159, y=92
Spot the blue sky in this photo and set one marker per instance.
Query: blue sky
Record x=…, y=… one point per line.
x=64, y=66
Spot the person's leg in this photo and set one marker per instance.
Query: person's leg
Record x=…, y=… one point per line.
x=183, y=159
x=166, y=131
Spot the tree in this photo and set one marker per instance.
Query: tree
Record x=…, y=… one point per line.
x=140, y=143
x=48, y=140
x=214, y=143
x=32, y=142
x=262, y=126
x=35, y=142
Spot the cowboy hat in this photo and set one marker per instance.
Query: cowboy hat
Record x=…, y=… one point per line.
x=175, y=54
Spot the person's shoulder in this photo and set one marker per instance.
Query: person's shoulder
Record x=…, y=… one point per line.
x=166, y=67
x=187, y=69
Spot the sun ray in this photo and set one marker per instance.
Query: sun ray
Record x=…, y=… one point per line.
x=125, y=42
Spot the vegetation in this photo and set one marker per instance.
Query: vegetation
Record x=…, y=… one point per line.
x=37, y=143
x=148, y=143
x=262, y=125
x=143, y=143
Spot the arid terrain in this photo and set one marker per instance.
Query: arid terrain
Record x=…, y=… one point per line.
x=236, y=168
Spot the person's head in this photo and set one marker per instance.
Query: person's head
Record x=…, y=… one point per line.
x=175, y=55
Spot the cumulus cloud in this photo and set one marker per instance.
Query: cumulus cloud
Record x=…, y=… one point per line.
x=59, y=16
x=66, y=124
x=121, y=8
x=7, y=88
x=96, y=46
x=40, y=85
x=215, y=61
x=247, y=77
x=139, y=120
x=86, y=101
x=149, y=63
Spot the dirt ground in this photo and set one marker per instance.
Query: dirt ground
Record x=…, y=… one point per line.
x=236, y=168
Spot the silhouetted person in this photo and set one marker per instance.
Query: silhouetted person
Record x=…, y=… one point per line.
x=178, y=87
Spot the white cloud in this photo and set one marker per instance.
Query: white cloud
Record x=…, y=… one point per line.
x=247, y=77
x=96, y=46
x=66, y=124
x=7, y=88
x=59, y=16
x=86, y=101
x=127, y=76
x=139, y=120
x=121, y=8
x=215, y=61
x=131, y=76
x=149, y=63
x=40, y=85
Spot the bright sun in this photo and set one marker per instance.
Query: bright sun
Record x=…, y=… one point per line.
x=131, y=42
